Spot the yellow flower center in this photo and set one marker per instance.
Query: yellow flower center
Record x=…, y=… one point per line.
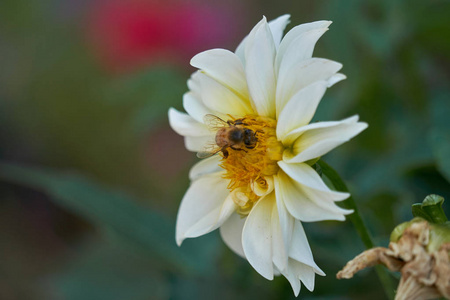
x=251, y=170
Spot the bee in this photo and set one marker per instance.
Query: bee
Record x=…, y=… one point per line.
x=230, y=134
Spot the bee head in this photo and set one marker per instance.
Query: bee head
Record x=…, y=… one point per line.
x=250, y=138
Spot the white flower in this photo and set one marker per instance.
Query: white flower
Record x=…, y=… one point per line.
x=259, y=195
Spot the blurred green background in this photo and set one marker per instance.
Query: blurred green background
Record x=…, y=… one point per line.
x=91, y=175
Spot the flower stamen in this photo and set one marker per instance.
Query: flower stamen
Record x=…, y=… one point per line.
x=251, y=171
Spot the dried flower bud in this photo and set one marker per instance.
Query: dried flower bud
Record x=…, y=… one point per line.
x=420, y=251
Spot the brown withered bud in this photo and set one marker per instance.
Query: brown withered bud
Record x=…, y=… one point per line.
x=424, y=267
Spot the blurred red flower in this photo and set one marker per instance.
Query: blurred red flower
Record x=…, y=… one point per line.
x=136, y=33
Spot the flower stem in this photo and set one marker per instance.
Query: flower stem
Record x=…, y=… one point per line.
x=358, y=223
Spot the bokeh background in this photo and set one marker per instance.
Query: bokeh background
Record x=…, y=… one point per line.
x=91, y=175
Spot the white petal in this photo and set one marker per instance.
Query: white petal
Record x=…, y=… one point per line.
x=277, y=27
x=257, y=237
x=204, y=207
x=195, y=107
x=306, y=275
x=301, y=75
x=194, y=84
x=261, y=191
x=225, y=67
x=316, y=142
x=185, y=125
x=305, y=175
x=205, y=166
x=293, y=278
x=259, y=67
x=300, y=109
x=301, y=265
x=298, y=271
x=300, y=250
x=294, y=134
x=276, y=272
x=304, y=206
x=219, y=98
x=199, y=143
x=335, y=79
x=240, y=50
x=231, y=232
x=282, y=227
x=299, y=42
x=285, y=218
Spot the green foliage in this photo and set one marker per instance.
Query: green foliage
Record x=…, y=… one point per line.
x=430, y=209
x=116, y=211
x=104, y=271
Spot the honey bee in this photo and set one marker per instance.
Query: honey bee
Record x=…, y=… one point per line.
x=230, y=134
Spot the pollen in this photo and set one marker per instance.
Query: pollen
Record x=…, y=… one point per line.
x=250, y=171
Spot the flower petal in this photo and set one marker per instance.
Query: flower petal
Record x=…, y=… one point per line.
x=225, y=67
x=195, y=107
x=315, y=142
x=193, y=83
x=293, y=278
x=300, y=109
x=301, y=75
x=198, y=143
x=259, y=67
x=298, y=44
x=300, y=250
x=205, y=166
x=282, y=227
x=290, y=138
x=307, y=176
x=306, y=204
x=261, y=191
x=204, y=207
x=218, y=97
x=335, y=79
x=301, y=265
x=185, y=125
x=297, y=272
x=285, y=218
x=231, y=232
x=257, y=237
x=277, y=27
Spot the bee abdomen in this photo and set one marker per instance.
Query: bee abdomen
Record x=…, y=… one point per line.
x=221, y=137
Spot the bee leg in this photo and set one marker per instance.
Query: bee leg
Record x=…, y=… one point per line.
x=225, y=153
x=239, y=149
x=239, y=122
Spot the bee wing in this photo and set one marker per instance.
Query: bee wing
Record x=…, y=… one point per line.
x=210, y=150
x=214, y=122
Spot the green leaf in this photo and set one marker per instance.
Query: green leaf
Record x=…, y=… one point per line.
x=102, y=270
x=117, y=211
x=430, y=209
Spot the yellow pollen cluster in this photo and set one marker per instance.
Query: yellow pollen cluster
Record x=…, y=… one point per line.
x=249, y=170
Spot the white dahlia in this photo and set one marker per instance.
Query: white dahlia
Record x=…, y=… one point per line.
x=261, y=185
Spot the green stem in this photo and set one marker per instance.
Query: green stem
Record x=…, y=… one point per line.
x=358, y=223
